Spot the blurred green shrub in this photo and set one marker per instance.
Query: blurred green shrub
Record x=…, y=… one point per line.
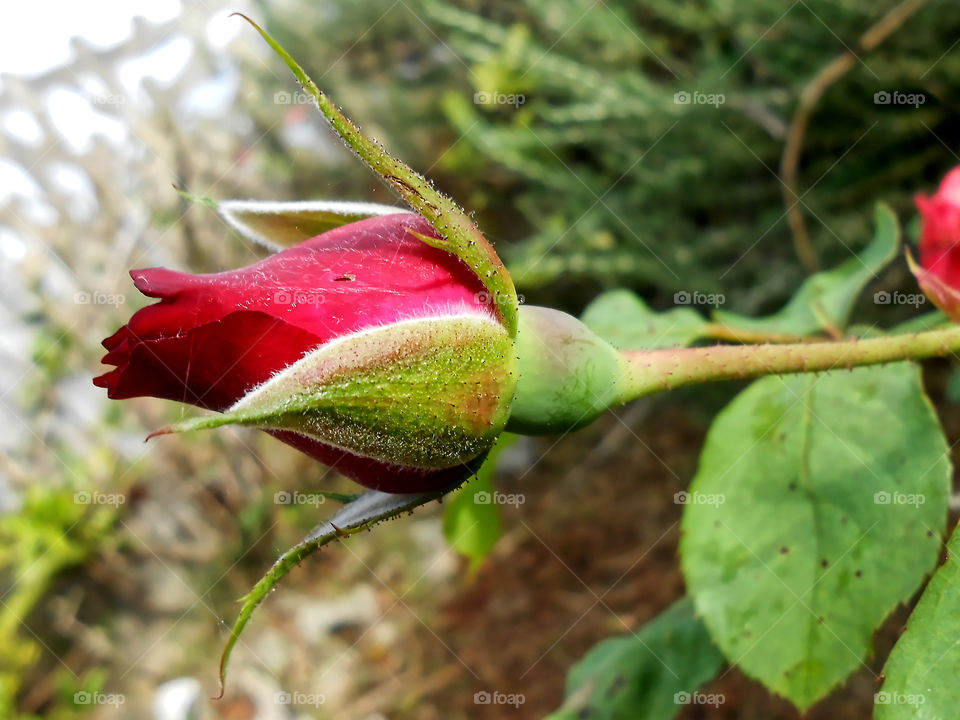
x=610, y=172
x=50, y=532
x=622, y=177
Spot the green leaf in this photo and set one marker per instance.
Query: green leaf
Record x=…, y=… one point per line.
x=817, y=509
x=825, y=299
x=921, y=672
x=627, y=322
x=362, y=513
x=471, y=521
x=342, y=498
x=649, y=675
x=921, y=323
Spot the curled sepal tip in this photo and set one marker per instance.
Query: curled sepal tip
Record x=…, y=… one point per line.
x=361, y=513
x=940, y=293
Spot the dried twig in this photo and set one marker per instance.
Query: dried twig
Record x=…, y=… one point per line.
x=809, y=98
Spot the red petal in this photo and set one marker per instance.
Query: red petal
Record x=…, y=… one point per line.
x=371, y=272
x=940, y=234
x=949, y=190
x=211, y=366
x=210, y=339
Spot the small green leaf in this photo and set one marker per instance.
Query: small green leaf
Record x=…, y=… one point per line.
x=362, y=513
x=647, y=676
x=921, y=323
x=471, y=521
x=816, y=510
x=921, y=672
x=824, y=300
x=627, y=322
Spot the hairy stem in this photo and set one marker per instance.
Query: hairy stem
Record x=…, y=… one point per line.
x=648, y=371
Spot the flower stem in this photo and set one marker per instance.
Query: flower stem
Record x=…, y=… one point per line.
x=648, y=371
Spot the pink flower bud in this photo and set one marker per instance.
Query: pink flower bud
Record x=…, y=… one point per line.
x=364, y=347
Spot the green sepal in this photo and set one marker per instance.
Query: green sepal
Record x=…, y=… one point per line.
x=568, y=374
x=462, y=236
x=276, y=225
x=362, y=513
x=945, y=297
x=428, y=393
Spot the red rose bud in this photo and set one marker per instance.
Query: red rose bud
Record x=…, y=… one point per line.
x=939, y=270
x=940, y=237
x=364, y=347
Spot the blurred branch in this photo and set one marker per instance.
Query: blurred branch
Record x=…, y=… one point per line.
x=809, y=98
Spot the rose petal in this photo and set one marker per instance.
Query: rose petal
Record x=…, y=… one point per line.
x=210, y=366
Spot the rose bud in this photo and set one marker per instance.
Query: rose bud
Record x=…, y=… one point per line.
x=939, y=269
x=384, y=347
x=365, y=347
